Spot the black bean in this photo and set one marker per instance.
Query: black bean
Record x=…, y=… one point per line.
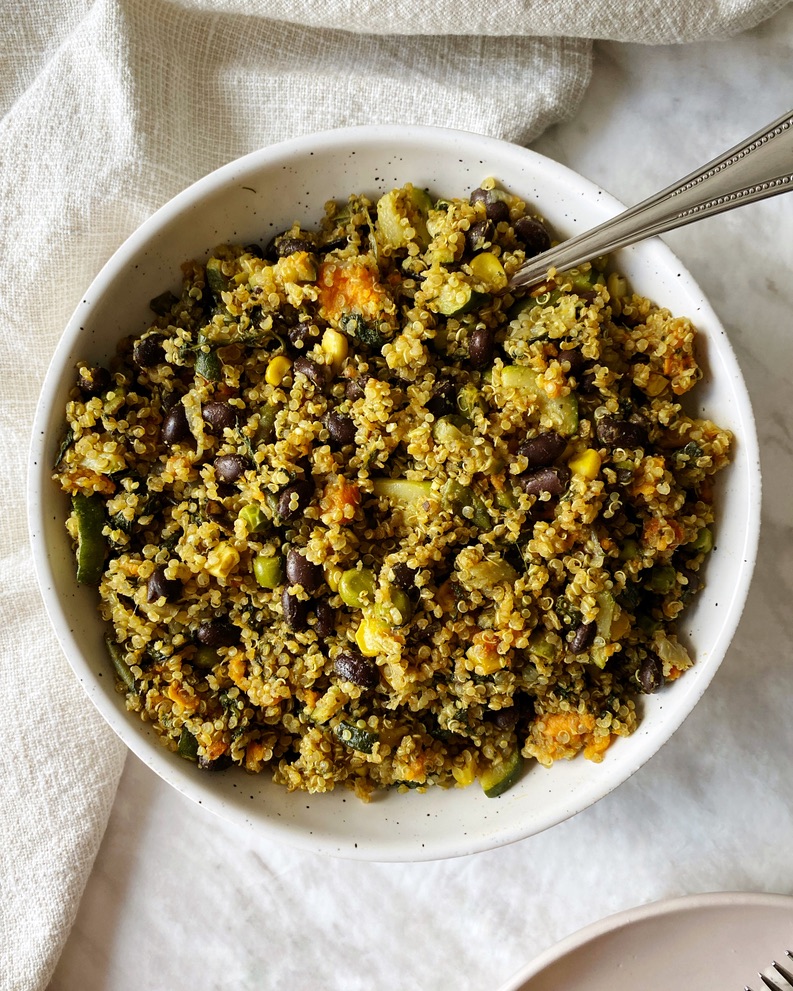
x=340, y=427
x=543, y=449
x=175, y=427
x=94, y=381
x=218, y=416
x=301, y=571
x=301, y=336
x=551, y=480
x=479, y=236
x=624, y=476
x=650, y=674
x=334, y=245
x=586, y=382
x=326, y=619
x=543, y=511
x=443, y=400
x=495, y=209
x=694, y=582
x=506, y=719
x=353, y=666
x=148, y=351
x=218, y=764
x=158, y=585
x=575, y=359
x=532, y=235
x=289, y=245
x=583, y=637
x=316, y=374
x=613, y=432
x=294, y=499
x=304, y=466
x=481, y=347
x=295, y=610
x=404, y=577
x=356, y=388
x=218, y=633
x=230, y=467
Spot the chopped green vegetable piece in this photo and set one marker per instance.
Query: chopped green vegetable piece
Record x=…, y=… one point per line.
x=266, y=428
x=560, y=413
x=459, y=498
x=355, y=737
x=216, y=280
x=66, y=443
x=205, y=658
x=402, y=490
x=498, y=778
x=91, y=545
x=540, y=646
x=456, y=298
x=607, y=606
x=662, y=579
x=187, y=746
x=469, y=400
x=120, y=665
x=408, y=204
x=207, y=363
x=164, y=303
x=367, y=333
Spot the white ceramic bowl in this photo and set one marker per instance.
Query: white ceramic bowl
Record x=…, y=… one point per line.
x=709, y=942
x=249, y=200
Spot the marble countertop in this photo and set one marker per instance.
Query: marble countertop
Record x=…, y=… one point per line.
x=179, y=899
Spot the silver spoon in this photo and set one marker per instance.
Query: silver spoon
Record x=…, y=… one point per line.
x=759, y=167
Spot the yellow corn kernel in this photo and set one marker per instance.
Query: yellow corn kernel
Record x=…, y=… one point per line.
x=587, y=463
x=277, y=369
x=336, y=347
x=487, y=268
x=332, y=575
x=222, y=560
x=656, y=384
x=465, y=775
x=369, y=636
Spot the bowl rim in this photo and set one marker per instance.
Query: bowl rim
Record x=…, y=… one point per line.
x=161, y=760
x=683, y=906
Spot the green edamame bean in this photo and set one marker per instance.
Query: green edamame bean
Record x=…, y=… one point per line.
x=703, y=542
x=398, y=611
x=357, y=587
x=268, y=570
x=254, y=518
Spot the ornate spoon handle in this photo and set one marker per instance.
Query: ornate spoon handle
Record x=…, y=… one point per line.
x=759, y=167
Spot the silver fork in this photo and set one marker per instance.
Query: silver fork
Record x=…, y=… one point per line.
x=758, y=167
x=783, y=972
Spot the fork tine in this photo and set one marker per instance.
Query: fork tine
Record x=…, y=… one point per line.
x=769, y=984
x=784, y=971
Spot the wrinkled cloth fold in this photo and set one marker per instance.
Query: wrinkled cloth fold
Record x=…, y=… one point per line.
x=110, y=107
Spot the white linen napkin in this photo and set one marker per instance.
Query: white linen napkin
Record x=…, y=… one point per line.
x=109, y=107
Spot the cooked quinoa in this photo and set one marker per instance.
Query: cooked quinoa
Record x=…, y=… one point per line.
x=356, y=513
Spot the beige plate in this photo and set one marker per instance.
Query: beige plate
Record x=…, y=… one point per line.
x=711, y=942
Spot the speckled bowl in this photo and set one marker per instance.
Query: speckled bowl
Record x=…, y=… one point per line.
x=248, y=200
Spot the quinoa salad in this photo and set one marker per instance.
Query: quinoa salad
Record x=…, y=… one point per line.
x=357, y=514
